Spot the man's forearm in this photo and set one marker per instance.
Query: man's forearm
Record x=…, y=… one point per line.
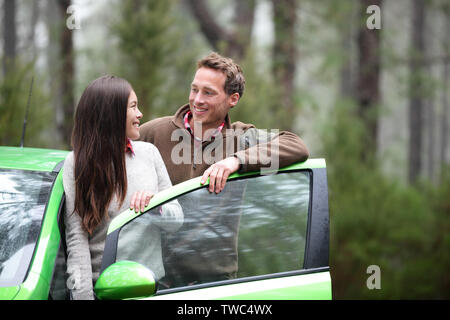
x=284, y=149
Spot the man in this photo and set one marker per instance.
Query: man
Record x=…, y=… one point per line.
x=200, y=140
x=217, y=87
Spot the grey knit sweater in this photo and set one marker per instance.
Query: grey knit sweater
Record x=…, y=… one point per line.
x=145, y=172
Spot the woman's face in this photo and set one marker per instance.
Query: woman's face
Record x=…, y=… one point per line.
x=133, y=116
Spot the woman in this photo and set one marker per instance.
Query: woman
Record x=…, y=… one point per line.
x=105, y=174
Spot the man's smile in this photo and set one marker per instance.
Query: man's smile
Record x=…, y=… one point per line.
x=200, y=110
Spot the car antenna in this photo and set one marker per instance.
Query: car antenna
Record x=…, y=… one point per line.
x=26, y=114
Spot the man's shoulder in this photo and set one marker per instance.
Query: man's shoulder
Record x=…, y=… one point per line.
x=157, y=127
x=167, y=122
x=157, y=123
x=238, y=125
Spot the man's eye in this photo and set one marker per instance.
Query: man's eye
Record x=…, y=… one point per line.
x=194, y=90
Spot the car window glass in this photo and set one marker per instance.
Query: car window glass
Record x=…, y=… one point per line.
x=58, y=287
x=23, y=197
x=59, y=290
x=255, y=226
x=140, y=241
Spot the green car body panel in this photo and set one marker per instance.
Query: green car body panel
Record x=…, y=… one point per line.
x=125, y=277
x=30, y=158
x=37, y=282
x=314, y=286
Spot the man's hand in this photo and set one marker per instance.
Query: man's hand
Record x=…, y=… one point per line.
x=139, y=200
x=218, y=173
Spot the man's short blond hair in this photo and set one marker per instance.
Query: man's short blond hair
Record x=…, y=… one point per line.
x=235, y=81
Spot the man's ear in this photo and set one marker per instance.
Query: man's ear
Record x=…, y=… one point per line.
x=233, y=99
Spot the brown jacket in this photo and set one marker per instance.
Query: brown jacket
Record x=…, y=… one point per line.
x=255, y=148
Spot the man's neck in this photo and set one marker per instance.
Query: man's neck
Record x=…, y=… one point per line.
x=203, y=131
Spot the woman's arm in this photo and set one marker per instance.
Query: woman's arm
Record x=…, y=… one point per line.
x=170, y=215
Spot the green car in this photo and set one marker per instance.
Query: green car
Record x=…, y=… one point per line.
x=265, y=236
x=31, y=202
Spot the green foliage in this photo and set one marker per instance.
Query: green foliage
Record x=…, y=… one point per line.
x=14, y=92
x=260, y=104
x=375, y=220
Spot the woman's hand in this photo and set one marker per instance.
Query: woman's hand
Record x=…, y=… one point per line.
x=139, y=200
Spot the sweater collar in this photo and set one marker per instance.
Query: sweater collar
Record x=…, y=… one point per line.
x=129, y=147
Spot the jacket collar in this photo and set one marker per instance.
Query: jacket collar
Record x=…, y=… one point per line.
x=178, y=119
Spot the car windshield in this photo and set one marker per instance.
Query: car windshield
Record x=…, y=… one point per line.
x=23, y=196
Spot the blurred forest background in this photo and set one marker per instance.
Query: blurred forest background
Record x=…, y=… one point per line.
x=373, y=102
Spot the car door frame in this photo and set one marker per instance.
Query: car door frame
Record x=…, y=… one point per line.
x=316, y=259
x=37, y=282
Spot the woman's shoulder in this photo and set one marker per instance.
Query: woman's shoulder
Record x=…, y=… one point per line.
x=142, y=146
x=146, y=151
x=68, y=161
x=68, y=174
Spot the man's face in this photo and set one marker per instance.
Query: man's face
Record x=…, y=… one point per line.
x=208, y=101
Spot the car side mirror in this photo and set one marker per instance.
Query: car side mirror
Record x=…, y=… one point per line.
x=125, y=280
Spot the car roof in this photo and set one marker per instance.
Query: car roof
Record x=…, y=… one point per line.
x=35, y=159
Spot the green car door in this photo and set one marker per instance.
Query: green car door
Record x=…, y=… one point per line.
x=265, y=236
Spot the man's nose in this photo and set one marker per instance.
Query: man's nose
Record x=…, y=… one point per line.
x=199, y=99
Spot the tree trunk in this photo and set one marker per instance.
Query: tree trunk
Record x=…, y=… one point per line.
x=32, y=30
x=346, y=73
x=9, y=35
x=53, y=22
x=431, y=125
x=430, y=102
x=368, y=80
x=445, y=115
x=445, y=107
x=66, y=76
x=285, y=55
x=234, y=43
x=244, y=16
x=416, y=90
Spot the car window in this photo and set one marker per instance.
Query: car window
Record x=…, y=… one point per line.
x=23, y=197
x=58, y=287
x=255, y=226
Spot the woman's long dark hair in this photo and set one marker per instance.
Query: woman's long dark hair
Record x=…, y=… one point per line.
x=99, y=142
